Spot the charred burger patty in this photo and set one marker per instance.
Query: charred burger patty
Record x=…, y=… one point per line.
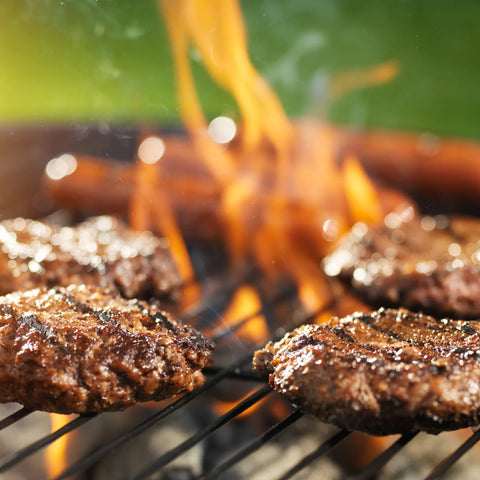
x=100, y=251
x=432, y=264
x=82, y=349
x=391, y=371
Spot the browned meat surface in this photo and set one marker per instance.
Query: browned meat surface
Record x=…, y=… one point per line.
x=81, y=349
x=391, y=371
x=100, y=251
x=428, y=264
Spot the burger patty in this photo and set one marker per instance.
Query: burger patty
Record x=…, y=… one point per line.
x=427, y=264
x=100, y=251
x=390, y=371
x=81, y=349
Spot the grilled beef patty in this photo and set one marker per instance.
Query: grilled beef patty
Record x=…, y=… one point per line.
x=391, y=371
x=100, y=251
x=424, y=264
x=81, y=349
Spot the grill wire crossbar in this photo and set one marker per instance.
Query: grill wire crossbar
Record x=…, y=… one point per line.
x=215, y=375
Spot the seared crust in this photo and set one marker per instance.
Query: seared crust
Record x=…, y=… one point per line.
x=388, y=372
x=427, y=264
x=81, y=349
x=100, y=251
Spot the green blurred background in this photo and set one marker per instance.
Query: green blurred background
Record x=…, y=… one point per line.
x=109, y=61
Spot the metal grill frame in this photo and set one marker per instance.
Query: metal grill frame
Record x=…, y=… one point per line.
x=215, y=375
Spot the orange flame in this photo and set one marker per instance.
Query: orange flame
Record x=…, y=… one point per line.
x=151, y=202
x=222, y=407
x=217, y=30
x=362, y=198
x=284, y=198
x=246, y=304
x=345, y=82
x=56, y=453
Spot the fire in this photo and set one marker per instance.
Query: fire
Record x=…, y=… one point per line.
x=284, y=196
x=362, y=449
x=216, y=29
x=246, y=304
x=150, y=201
x=343, y=83
x=362, y=197
x=221, y=407
x=55, y=454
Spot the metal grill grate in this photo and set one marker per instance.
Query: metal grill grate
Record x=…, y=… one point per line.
x=241, y=372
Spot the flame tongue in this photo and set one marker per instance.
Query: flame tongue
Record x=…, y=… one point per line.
x=56, y=454
x=284, y=198
x=217, y=30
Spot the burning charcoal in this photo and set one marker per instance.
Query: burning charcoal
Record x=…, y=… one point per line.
x=81, y=349
x=100, y=251
x=431, y=264
x=391, y=371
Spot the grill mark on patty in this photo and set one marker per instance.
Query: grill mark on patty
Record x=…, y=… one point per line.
x=371, y=350
x=97, y=367
x=30, y=320
x=157, y=317
x=343, y=334
x=468, y=329
x=366, y=320
x=395, y=382
x=425, y=346
x=33, y=322
x=101, y=315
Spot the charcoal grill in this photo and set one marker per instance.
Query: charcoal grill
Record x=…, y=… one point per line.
x=238, y=371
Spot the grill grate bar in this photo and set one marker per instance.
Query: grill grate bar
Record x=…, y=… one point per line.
x=199, y=436
x=225, y=332
x=236, y=374
x=321, y=450
x=43, y=442
x=215, y=299
x=376, y=465
x=442, y=467
x=15, y=417
x=285, y=294
x=93, y=457
x=229, y=330
x=252, y=446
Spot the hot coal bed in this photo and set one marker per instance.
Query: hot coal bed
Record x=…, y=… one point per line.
x=233, y=427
